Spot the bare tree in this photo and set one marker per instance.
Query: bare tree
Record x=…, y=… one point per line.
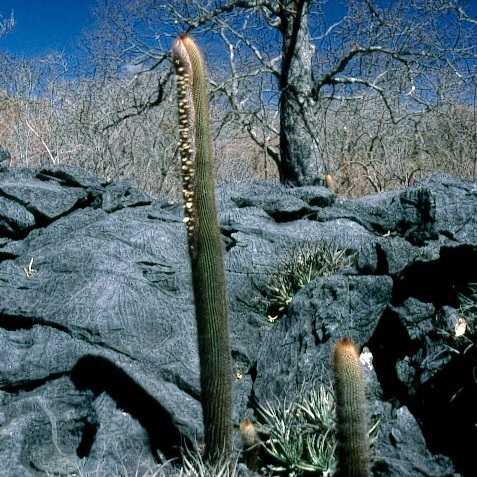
x=29, y=108
x=276, y=65
x=366, y=96
x=376, y=94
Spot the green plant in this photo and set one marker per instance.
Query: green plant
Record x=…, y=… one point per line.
x=323, y=431
x=251, y=444
x=300, y=267
x=194, y=466
x=205, y=248
x=120, y=467
x=465, y=330
x=462, y=339
x=351, y=413
x=468, y=303
x=299, y=434
x=191, y=466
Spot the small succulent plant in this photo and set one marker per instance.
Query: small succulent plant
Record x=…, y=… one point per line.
x=300, y=267
x=299, y=434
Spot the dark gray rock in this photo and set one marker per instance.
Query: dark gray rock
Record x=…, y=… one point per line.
x=4, y=154
x=301, y=343
x=15, y=219
x=401, y=442
x=98, y=359
x=46, y=200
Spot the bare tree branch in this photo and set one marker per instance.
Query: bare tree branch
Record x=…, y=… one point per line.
x=6, y=24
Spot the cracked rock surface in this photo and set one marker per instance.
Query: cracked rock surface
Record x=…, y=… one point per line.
x=98, y=358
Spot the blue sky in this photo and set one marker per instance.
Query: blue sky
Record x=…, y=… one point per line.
x=45, y=25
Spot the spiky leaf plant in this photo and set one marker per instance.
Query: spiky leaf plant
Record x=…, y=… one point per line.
x=299, y=435
x=300, y=267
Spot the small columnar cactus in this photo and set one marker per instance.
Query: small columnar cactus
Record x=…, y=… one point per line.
x=251, y=443
x=329, y=182
x=351, y=412
x=205, y=248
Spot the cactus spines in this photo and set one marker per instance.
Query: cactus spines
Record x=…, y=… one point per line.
x=205, y=248
x=351, y=412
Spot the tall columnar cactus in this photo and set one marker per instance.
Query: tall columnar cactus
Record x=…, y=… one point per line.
x=205, y=248
x=351, y=412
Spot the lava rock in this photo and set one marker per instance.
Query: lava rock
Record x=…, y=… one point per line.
x=98, y=344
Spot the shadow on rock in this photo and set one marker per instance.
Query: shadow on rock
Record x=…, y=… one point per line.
x=100, y=375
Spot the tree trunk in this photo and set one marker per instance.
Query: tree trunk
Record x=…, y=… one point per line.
x=300, y=158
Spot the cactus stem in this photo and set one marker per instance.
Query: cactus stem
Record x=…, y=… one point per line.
x=205, y=248
x=351, y=412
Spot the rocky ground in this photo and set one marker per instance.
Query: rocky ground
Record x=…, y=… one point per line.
x=98, y=359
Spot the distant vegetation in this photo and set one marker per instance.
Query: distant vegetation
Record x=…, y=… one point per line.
x=380, y=95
